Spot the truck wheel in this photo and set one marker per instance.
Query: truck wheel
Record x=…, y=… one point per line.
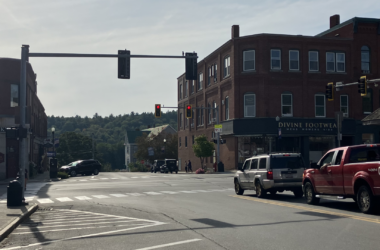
x=260, y=191
x=298, y=193
x=238, y=189
x=273, y=192
x=365, y=200
x=310, y=195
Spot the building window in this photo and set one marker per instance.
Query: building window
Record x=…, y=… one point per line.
x=179, y=140
x=192, y=86
x=367, y=102
x=248, y=60
x=249, y=105
x=200, y=81
x=209, y=76
x=186, y=141
x=192, y=118
x=313, y=61
x=344, y=105
x=202, y=116
x=180, y=120
x=214, y=112
x=193, y=139
x=215, y=72
x=209, y=113
x=294, y=60
x=226, y=66
x=320, y=110
x=199, y=117
x=186, y=88
x=186, y=122
x=275, y=58
x=14, y=95
x=180, y=92
x=335, y=62
x=287, y=104
x=365, y=59
x=226, y=107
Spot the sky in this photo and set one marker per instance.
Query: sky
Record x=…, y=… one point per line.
x=85, y=86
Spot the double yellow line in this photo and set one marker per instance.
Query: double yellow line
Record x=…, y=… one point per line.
x=284, y=204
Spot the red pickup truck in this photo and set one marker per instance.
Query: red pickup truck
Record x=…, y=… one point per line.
x=346, y=172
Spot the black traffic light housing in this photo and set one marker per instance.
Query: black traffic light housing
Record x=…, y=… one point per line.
x=191, y=66
x=362, y=85
x=124, y=65
x=330, y=91
x=189, y=111
x=157, y=110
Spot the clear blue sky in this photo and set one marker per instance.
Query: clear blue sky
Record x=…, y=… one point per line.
x=79, y=86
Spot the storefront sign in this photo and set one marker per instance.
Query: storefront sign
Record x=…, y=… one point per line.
x=305, y=126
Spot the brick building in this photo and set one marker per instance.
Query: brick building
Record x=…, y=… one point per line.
x=36, y=118
x=270, y=91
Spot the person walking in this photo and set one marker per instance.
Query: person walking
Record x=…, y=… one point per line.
x=186, y=166
x=189, y=167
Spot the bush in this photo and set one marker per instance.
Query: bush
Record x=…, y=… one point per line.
x=106, y=167
x=137, y=167
x=200, y=171
x=62, y=175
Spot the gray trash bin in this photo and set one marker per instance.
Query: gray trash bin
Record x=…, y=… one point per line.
x=14, y=194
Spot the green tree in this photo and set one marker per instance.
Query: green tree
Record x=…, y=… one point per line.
x=203, y=148
x=161, y=149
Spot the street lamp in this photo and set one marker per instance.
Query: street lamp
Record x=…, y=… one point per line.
x=52, y=132
x=53, y=161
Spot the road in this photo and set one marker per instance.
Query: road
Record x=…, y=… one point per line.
x=185, y=211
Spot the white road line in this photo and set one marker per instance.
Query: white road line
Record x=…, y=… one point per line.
x=90, y=219
x=134, y=177
x=114, y=178
x=64, y=199
x=152, y=193
x=81, y=224
x=201, y=191
x=100, y=196
x=83, y=180
x=3, y=201
x=169, y=192
x=135, y=194
x=94, y=179
x=169, y=244
x=45, y=201
x=188, y=192
x=119, y=195
x=82, y=198
x=104, y=178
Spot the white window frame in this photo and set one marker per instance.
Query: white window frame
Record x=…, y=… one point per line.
x=271, y=59
x=209, y=76
x=200, y=81
x=245, y=108
x=209, y=113
x=327, y=70
x=192, y=86
x=291, y=105
x=227, y=108
x=180, y=91
x=254, y=60
x=215, y=72
x=344, y=61
x=202, y=116
x=341, y=106
x=324, y=104
x=227, y=64
x=298, y=60
x=192, y=118
x=314, y=61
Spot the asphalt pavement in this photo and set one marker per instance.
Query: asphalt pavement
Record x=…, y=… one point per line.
x=169, y=211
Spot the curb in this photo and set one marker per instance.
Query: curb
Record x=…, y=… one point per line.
x=8, y=229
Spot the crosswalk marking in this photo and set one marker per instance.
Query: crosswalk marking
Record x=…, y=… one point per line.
x=169, y=192
x=135, y=194
x=100, y=196
x=82, y=180
x=114, y=178
x=152, y=193
x=188, y=192
x=82, y=198
x=119, y=195
x=42, y=201
x=104, y=178
x=64, y=199
x=134, y=177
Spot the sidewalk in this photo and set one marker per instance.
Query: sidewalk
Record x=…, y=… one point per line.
x=44, y=177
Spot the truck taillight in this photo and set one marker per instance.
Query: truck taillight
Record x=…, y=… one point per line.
x=270, y=175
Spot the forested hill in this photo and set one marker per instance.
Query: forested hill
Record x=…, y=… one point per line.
x=109, y=129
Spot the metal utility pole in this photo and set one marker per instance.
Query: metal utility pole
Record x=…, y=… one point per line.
x=218, y=135
x=93, y=153
x=23, y=141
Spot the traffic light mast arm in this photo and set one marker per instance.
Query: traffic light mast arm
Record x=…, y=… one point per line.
x=103, y=55
x=355, y=83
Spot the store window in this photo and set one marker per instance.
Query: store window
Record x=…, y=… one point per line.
x=252, y=145
x=367, y=138
x=320, y=108
x=249, y=105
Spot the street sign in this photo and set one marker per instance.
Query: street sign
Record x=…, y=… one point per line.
x=50, y=154
x=218, y=128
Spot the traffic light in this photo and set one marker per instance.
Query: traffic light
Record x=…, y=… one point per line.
x=124, y=65
x=330, y=91
x=157, y=112
x=362, y=85
x=189, y=111
x=191, y=66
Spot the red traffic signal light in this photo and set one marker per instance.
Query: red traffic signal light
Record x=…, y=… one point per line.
x=189, y=111
x=157, y=110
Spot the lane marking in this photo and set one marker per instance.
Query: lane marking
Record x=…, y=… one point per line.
x=119, y=195
x=169, y=192
x=114, y=178
x=81, y=224
x=188, y=192
x=100, y=196
x=45, y=201
x=64, y=199
x=321, y=211
x=83, y=198
x=83, y=180
x=169, y=244
x=104, y=178
x=90, y=219
x=135, y=194
x=134, y=177
x=152, y=193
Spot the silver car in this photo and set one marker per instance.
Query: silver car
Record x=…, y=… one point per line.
x=271, y=173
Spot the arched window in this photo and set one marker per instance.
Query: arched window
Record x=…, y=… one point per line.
x=365, y=58
x=287, y=104
x=249, y=105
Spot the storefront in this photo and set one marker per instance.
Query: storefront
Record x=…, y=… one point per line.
x=310, y=137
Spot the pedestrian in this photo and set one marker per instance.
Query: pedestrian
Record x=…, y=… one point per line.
x=186, y=166
x=26, y=177
x=189, y=167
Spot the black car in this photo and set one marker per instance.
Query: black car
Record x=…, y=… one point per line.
x=84, y=167
x=170, y=165
x=156, y=165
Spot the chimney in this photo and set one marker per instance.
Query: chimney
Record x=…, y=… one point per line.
x=234, y=31
x=334, y=20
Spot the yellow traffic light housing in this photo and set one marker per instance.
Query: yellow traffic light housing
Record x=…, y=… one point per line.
x=157, y=110
x=330, y=91
x=362, y=86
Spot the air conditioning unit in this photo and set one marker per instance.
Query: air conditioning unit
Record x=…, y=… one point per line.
x=345, y=115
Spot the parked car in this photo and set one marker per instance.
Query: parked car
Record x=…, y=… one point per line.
x=84, y=167
x=271, y=173
x=170, y=165
x=346, y=172
x=156, y=165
